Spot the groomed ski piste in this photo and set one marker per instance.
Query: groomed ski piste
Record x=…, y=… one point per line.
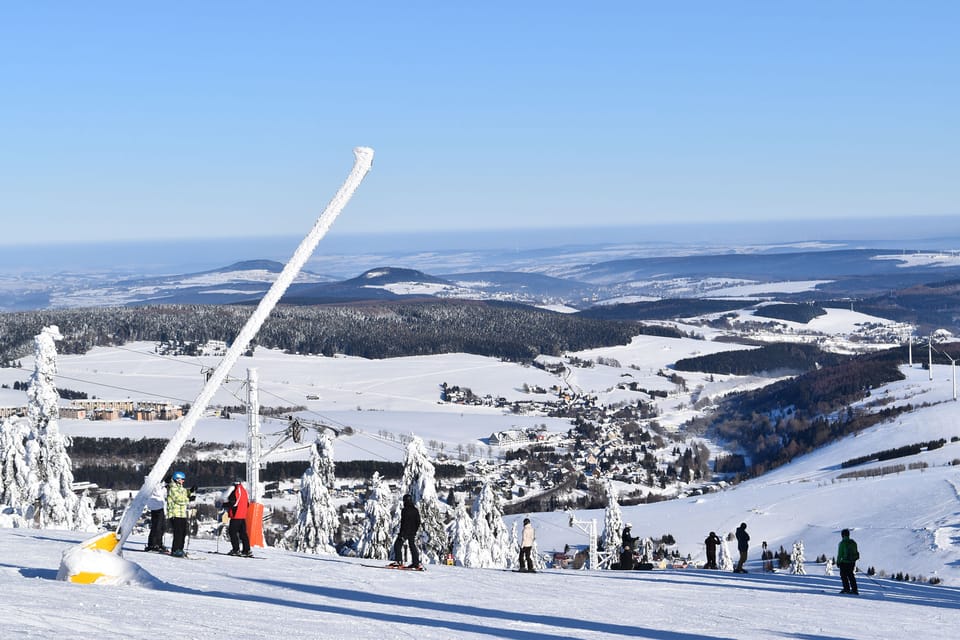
x=297, y=595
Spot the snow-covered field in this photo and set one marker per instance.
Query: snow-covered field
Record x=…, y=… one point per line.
x=301, y=596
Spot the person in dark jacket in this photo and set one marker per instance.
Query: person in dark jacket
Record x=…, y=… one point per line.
x=743, y=545
x=627, y=540
x=711, y=543
x=237, y=504
x=847, y=556
x=409, y=526
x=626, y=558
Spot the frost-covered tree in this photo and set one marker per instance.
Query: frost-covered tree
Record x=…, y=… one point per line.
x=490, y=545
x=828, y=567
x=375, y=541
x=797, y=559
x=419, y=480
x=317, y=519
x=83, y=517
x=460, y=533
x=724, y=559
x=37, y=471
x=513, y=554
x=539, y=563
x=42, y=396
x=612, y=521
x=646, y=549
x=17, y=483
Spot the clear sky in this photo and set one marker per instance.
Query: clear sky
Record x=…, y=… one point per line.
x=192, y=119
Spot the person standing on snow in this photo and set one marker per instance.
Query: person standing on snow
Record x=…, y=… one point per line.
x=711, y=543
x=409, y=526
x=526, y=546
x=178, y=497
x=237, y=504
x=157, y=503
x=743, y=545
x=627, y=540
x=847, y=556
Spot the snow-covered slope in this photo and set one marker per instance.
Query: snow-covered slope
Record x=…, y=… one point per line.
x=300, y=596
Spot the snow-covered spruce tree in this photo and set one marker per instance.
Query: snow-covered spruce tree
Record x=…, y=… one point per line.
x=513, y=547
x=317, y=519
x=83, y=517
x=828, y=567
x=724, y=559
x=490, y=545
x=17, y=482
x=460, y=533
x=539, y=564
x=46, y=455
x=612, y=521
x=797, y=559
x=419, y=480
x=646, y=549
x=375, y=541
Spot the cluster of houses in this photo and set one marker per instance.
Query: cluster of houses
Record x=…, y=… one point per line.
x=523, y=436
x=109, y=410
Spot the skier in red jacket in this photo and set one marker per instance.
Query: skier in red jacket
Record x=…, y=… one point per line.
x=237, y=503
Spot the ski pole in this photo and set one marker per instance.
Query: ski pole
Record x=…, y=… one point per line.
x=871, y=579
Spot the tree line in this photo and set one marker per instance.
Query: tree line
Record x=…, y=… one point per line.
x=772, y=425
x=368, y=329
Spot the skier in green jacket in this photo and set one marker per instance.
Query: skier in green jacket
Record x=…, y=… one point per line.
x=178, y=497
x=847, y=556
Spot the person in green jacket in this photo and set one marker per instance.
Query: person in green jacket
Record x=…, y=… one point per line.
x=178, y=497
x=847, y=556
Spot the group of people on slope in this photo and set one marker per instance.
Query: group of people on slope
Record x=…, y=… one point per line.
x=170, y=502
x=743, y=546
x=410, y=526
x=847, y=556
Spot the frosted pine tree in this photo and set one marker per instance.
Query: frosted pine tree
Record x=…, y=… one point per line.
x=513, y=552
x=612, y=521
x=797, y=559
x=83, y=517
x=490, y=545
x=460, y=533
x=724, y=559
x=539, y=564
x=317, y=519
x=420, y=482
x=828, y=567
x=646, y=549
x=17, y=486
x=46, y=448
x=375, y=541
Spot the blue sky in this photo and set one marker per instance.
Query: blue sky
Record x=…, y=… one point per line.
x=190, y=120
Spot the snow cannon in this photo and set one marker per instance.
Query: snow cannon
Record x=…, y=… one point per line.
x=99, y=560
x=96, y=561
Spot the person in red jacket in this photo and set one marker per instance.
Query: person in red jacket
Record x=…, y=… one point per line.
x=237, y=503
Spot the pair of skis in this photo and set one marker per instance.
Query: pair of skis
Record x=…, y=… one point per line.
x=395, y=567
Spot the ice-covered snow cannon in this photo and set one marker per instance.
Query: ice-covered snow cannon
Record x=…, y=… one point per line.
x=99, y=559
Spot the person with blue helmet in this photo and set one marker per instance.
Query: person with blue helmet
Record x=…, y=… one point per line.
x=178, y=497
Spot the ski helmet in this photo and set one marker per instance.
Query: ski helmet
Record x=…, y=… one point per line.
x=179, y=475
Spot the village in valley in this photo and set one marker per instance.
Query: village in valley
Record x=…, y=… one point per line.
x=576, y=432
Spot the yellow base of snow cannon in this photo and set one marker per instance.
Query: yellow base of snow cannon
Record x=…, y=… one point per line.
x=105, y=542
x=93, y=561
